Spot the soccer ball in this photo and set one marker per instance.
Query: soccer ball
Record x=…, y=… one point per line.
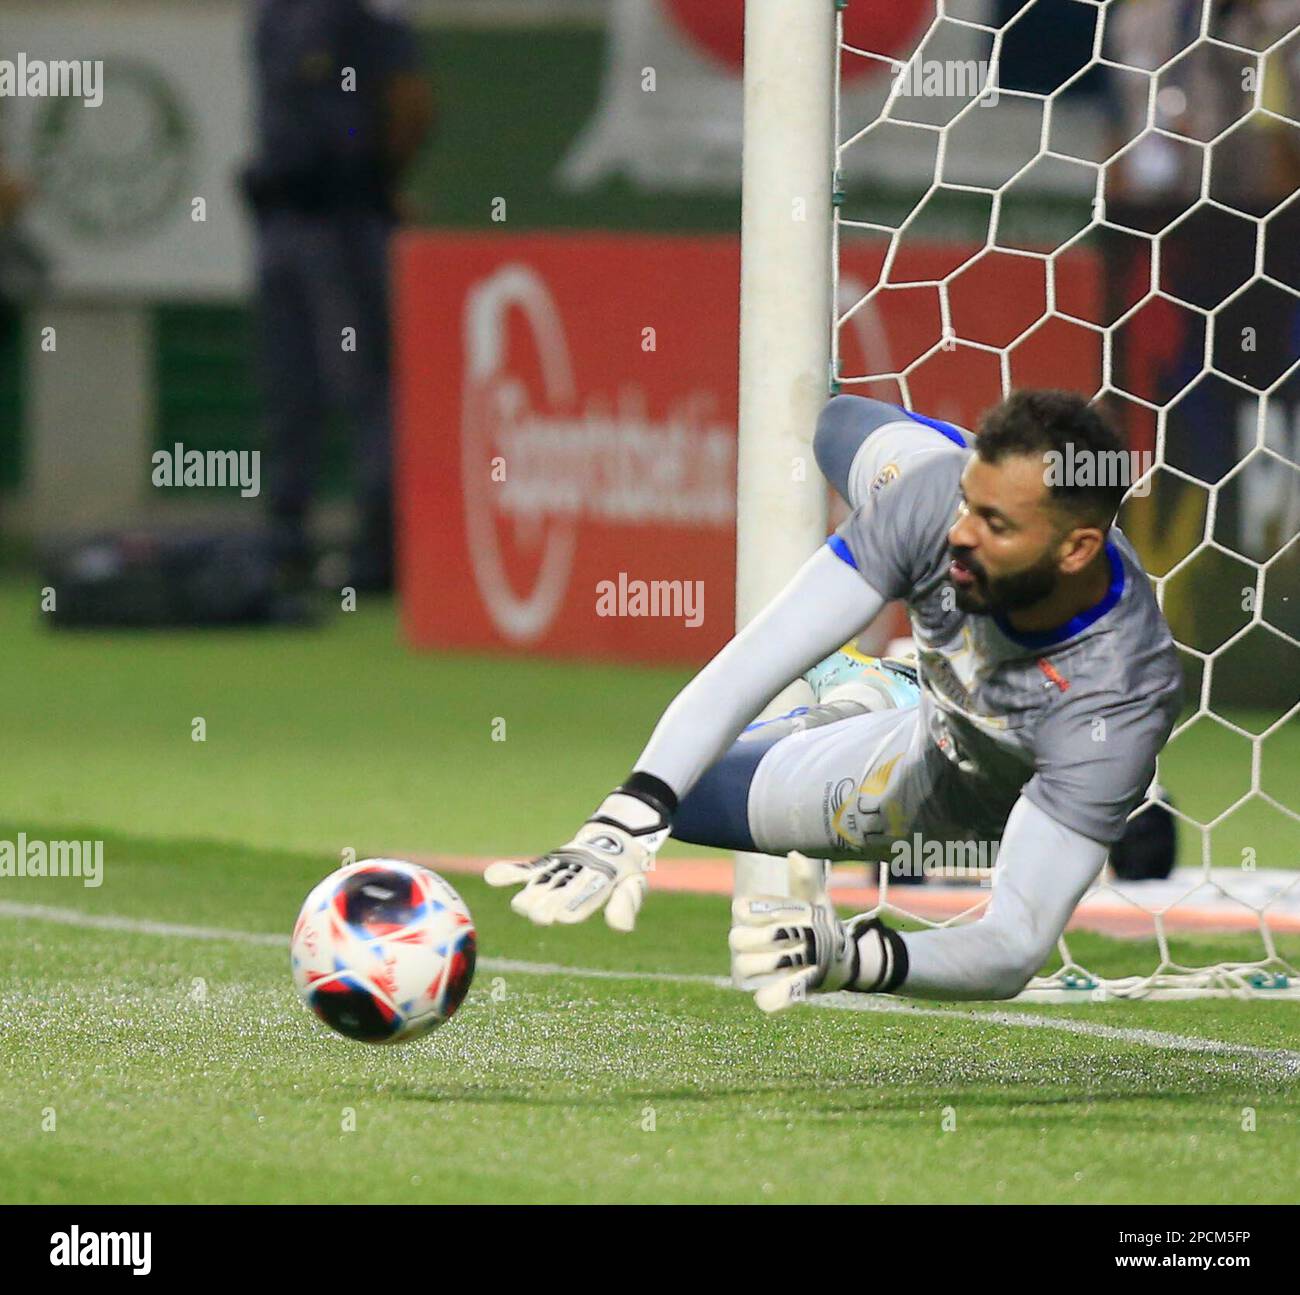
x=383, y=951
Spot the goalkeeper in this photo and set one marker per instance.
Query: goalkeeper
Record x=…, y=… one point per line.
x=1049, y=682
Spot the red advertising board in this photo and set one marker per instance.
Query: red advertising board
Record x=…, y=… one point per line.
x=566, y=414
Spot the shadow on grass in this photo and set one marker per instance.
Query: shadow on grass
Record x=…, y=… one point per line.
x=894, y=1106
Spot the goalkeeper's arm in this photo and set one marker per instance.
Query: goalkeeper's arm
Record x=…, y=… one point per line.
x=798, y=945
x=826, y=603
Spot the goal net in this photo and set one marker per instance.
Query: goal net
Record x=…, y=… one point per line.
x=1102, y=196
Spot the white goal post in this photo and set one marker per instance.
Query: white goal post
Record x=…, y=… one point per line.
x=803, y=324
x=786, y=279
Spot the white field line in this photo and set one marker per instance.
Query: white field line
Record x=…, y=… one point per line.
x=1285, y=1059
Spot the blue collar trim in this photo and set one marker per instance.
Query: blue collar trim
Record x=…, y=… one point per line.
x=1076, y=624
x=839, y=546
x=947, y=429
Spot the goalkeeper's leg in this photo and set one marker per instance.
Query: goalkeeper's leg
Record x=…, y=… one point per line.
x=848, y=687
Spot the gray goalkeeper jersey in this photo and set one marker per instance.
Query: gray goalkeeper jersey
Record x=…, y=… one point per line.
x=1073, y=718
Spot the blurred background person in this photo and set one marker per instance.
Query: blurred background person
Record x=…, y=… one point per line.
x=21, y=266
x=341, y=111
x=24, y=268
x=1199, y=96
x=1218, y=108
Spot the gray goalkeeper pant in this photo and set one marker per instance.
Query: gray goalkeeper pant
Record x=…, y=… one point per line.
x=837, y=782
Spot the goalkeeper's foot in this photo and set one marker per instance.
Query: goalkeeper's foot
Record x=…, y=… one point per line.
x=851, y=678
x=878, y=683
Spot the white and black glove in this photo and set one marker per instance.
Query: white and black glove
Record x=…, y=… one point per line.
x=798, y=945
x=604, y=866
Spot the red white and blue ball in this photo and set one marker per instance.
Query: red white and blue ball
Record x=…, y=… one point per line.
x=383, y=951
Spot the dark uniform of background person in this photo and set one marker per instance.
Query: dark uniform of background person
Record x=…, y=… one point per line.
x=322, y=187
x=21, y=269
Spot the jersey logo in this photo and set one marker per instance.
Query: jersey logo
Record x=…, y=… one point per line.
x=878, y=779
x=1053, y=674
x=890, y=472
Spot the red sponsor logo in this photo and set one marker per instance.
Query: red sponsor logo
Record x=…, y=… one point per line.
x=1053, y=674
x=566, y=417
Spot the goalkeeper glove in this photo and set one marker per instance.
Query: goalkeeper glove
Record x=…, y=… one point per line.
x=798, y=945
x=603, y=866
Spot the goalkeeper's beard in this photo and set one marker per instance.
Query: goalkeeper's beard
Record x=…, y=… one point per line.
x=997, y=595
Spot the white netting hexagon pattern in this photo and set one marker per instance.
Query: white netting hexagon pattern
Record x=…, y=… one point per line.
x=1161, y=204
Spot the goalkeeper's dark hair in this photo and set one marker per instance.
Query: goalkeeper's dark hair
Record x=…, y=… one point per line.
x=1042, y=422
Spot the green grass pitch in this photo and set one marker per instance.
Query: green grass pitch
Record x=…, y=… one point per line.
x=154, y=1049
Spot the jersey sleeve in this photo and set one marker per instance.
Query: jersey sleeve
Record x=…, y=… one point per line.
x=1095, y=759
x=897, y=537
x=822, y=606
